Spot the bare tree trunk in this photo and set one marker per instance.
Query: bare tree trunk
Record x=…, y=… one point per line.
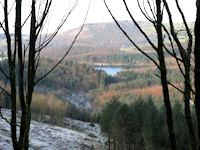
x=163, y=72
x=185, y=59
x=31, y=74
x=188, y=116
x=36, y=28
x=18, y=44
x=11, y=62
x=197, y=68
x=161, y=66
x=109, y=143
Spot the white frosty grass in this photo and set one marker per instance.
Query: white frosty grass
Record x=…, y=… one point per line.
x=48, y=137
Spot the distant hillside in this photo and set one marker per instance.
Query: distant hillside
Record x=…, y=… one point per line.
x=3, y=42
x=97, y=35
x=99, y=39
x=104, y=35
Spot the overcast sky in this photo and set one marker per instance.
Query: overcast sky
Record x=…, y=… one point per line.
x=98, y=12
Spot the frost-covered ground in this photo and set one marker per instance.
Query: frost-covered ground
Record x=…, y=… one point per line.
x=48, y=137
x=77, y=97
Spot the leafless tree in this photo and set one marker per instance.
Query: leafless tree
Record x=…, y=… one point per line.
x=155, y=15
x=29, y=55
x=184, y=64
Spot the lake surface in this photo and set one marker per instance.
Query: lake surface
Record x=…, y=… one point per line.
x=110, y=70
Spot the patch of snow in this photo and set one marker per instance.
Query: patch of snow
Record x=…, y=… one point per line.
x=79, y=98
x=49, y=137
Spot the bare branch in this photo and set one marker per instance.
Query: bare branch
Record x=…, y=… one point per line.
x=7, y=33
x=174, y=35
x=4, y=30
x=45, y=12
x=185, y=55
x=26, y=19
x=4, y=73
x=7, y=119
x=37, y=59
x=7, y=8
x=153, y=13
x=170, y=39
x=135, y=22
x=145, y=13
x=124, y=32
x=171, y=84
x=3, y=89
x=67, y=50
x=187, y=28
x=50, y=38
x=1, y=4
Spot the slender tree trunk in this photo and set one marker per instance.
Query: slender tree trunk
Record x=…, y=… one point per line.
x=11, y=62
x=188, y=116
x=26, y=135
x=31, y=74
x=197, y=68
x=108, y=143
x=18, y=43
x=114, y=144
x=25, y=98
x=186, y=56
x=163, y=72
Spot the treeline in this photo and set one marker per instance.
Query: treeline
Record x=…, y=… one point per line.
x=126, y=58
x=69, y=75
x=58, y=110
x=130, y=59
x=78, y=53
x=133, y=80
x=90, y=55
x=128, y=96
x=124, y=82
x=142, y=125
x=73, y=75
x=49, y=108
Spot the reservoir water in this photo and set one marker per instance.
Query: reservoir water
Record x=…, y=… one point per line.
x=110, y=70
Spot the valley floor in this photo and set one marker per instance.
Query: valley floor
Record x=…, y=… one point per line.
x=48, y=137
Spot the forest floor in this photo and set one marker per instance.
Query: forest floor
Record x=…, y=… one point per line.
x=77, y=136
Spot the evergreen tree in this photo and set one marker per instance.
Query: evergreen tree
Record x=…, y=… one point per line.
x=106, y=121
x=153, y=127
